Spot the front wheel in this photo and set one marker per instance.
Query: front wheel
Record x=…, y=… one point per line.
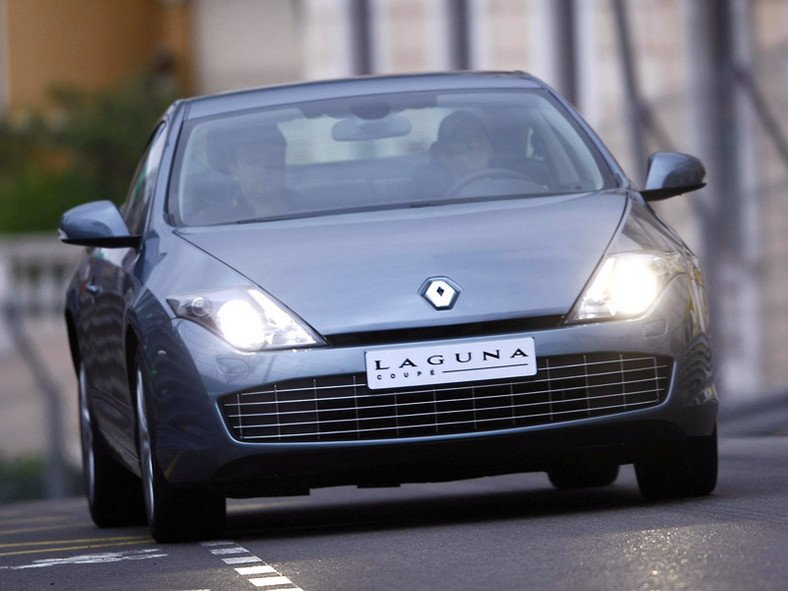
x=688, y=469
x=174, y=515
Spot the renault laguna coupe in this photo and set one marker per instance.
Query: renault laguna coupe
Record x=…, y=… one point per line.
x=380, y=281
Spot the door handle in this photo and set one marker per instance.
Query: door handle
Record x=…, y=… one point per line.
x=92, y=288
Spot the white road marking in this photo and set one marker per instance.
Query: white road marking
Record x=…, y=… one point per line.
x=242, y=560
x=272, y=582
x=101, y=558
x=274, y=578
x=217, y=543
x=233, y=550
x=256, y=570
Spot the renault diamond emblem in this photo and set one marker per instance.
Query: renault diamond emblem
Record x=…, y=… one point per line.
x=441, y=292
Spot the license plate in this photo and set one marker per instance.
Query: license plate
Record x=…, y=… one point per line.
x=450, y=363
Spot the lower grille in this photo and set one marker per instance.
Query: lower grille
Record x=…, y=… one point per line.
x=342, y=408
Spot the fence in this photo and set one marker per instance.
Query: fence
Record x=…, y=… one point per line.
x=34, y=272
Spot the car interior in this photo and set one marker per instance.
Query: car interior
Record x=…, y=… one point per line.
x=339, y=161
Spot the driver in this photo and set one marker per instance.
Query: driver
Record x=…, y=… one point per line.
x=463, y=145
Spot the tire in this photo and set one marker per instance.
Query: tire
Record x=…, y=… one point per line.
x=677, y=471
x=583, y=475
x=114, y=494
x=173, y=514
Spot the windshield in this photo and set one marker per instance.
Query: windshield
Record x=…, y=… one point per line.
x=379, y=152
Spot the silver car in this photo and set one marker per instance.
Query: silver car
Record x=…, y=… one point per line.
x=380, y=281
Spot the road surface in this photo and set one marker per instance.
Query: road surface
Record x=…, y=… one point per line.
x=511, y=532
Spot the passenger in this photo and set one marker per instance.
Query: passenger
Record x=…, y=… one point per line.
x=462, y=148
x=246, y=180
x=257, y=165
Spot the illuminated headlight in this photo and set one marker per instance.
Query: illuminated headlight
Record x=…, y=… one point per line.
x=626, y=285
x=246, y=318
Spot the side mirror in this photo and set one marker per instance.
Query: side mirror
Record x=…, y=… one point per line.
x=673, y=173
x=97, y=223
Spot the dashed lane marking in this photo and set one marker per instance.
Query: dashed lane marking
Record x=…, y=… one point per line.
x=225, y=551
x=241, y=560
x=271, y=577
x=271, y=582
x=264, y=569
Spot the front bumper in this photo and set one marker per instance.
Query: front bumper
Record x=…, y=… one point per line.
x=195, y=371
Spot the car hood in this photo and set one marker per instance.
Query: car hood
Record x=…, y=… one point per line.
x=364, y=271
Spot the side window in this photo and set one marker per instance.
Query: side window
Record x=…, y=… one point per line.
x=141, y=190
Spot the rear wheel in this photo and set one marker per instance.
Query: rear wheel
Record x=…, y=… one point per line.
x=113, y=492
x=584, y=475
x=174, y=515
x=685, y=470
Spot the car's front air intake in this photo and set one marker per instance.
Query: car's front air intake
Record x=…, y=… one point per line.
x=342, y=408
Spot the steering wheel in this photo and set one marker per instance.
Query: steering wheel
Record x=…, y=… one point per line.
x=484, y=174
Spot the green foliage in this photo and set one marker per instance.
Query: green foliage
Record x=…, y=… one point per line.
x=87, y=152
x=33, y=201
x=24, y=479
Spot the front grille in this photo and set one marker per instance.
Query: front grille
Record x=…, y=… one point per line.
x=342, y=408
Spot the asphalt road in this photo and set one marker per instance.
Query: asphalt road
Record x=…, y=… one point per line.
x=512, y=532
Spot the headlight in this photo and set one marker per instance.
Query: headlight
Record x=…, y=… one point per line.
x=626, y=285
x=246, y=318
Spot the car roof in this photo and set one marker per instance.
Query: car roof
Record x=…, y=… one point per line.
x=203, y=106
